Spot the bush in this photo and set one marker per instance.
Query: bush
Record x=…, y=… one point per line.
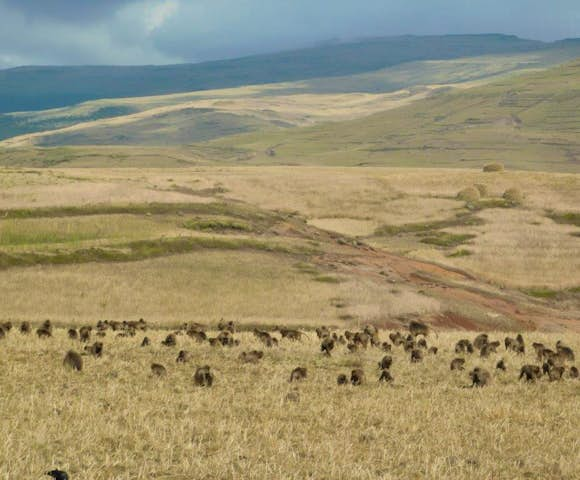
x=514, y=196
x=469, y=194
x=493, y=167
x=482, y=189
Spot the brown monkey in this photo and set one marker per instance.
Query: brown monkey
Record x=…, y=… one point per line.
x=386, y=347
x=418, y=328
x=530, y=373
x=170, y=340
x=500, y=365
x=327, y=346
x=422, y=343
x=224, y=326
x=72, y=334
x=457, y=364
x=290, y=334
x=357, y=376
x=183, y=357
x=480, y=377
x=416, y=356
x=7, y=326
x=565, y=352
x=298, y=374
x=253, y=356
x=198, y=335
x=73, y=360
x=203, y=377
x=464, y=346
x=43, y=333
x=481, y=340
x=574, y=372
x=158, y=370
x=85, y=333
x=555, y=373
x=396, y=338
x=342, y=379
x=2, y=333
x=96, y=349
x=25, y=328
x=146, y=342
x=433, y=350
x=386, y=376
x=386, y=362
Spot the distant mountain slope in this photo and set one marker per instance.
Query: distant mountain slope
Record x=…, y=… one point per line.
x=529, y=121
x=248, y=108
x=38, y=88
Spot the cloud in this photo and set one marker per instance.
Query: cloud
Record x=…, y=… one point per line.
x=170, y=31
x=158, y=13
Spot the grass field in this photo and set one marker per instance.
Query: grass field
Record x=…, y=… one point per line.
x=115, y=420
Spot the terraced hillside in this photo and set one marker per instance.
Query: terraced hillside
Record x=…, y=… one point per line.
x=528, y=122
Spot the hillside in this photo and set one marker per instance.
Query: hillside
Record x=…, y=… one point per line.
x=184, y=118
x=528, y=122
x=38, y=88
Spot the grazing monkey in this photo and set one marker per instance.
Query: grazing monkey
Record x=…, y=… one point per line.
x=386, y=376
x=342, y=379
x=386, y=362
x=457, y=364
x=158, y=370
x=203, y=377
x=530, y=373
x=25, y=328
x=298, y=374
x=357, y=376
x=480, y=377
x=73, y=360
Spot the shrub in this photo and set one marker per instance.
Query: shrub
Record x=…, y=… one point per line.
x=514, y=196
x=493, y=167
x=469, y=194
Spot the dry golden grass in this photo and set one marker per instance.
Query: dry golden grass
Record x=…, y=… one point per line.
x=114, y=420
x=249, y=286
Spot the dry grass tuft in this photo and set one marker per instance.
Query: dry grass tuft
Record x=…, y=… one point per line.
x=493, y=167
x=469, y=194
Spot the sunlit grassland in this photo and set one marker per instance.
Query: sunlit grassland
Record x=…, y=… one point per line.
x=114, y=420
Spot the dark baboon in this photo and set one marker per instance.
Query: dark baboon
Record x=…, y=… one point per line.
x=565, y=352
x=254, y=356
x=96, y=349
x=433, y=351
x=299, y=373
x=47, y=325
x=481, y=340
x=574, y=372
x=43, y=333
x=555, y=373
x=362, y=339
x=418, y=328
x=214, y=342
x=342, y=379
x=322, y=332
x=422, y=343
x=386, y=347
x=224, y=326
x=85, y=333
x=290, y=334
x=198, y=335
x=464, y=346
x=183, y=357
x=386, y=362
x=327, y=346
x=357, y=376
x=341, y=340
x=479, y=377
x=72, y=334
x=500, y=365
x=7, y=326
x=25, y=328
x=530, y=373
x=539, y=349
x=409, y=345
x=458, y=364
x=416, y=356
x=170, y=340
x=73, y=360
x=349, y=335
x=546, y=354
x=158, y=370
x=146, y=342
x=352, y=347
x=203, y=377
x=386, y=376
x=57, y=474
x=396, y=338
x=2, y=333
x=489, y=348
x=371, y=330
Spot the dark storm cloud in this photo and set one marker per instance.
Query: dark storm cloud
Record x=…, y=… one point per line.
x=168, y=31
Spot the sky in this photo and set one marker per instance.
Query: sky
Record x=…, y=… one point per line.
x=137, y=32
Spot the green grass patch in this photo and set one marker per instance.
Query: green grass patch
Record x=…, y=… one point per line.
x=217, y=225
x=460, y=220
x=445, y=239
x=567, y=218
x=460, y=253
x=307, y=268
x=327, y=279
x=550, y=294
x=145, y=249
